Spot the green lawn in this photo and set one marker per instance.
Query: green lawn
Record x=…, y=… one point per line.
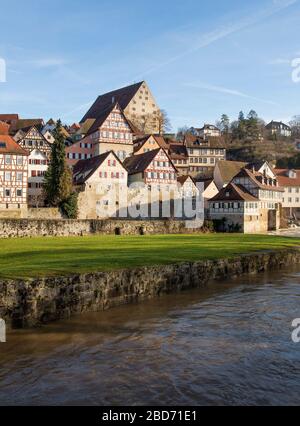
x=36, y=257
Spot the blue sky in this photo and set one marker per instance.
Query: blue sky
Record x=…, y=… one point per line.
x=200, y=58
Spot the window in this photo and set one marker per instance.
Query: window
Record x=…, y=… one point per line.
x=19, y=192
x=8, y=176
x=8, y=159
x=19, y=177
x=20, y=160
x=7, y=193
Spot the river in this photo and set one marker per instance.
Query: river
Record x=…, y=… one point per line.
x=229, y=344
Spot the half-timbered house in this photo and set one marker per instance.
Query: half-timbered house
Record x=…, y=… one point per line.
x=13, y=177
x=111, y=131
x=39, y=149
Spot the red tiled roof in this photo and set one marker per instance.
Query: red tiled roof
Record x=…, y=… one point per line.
x=9, y=117
x=284, y=180
x=9, y=146
x=4, y=128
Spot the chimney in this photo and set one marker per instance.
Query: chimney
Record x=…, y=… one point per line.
x=113, y=100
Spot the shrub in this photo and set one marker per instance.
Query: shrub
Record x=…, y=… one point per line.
x=69, y=206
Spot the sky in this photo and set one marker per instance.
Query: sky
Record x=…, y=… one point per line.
x=201, y=59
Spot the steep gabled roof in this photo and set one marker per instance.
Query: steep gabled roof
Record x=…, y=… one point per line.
x=84, y=169
x=123, y=96
x=284, y=180
x=255, y=178
x=229, y=169
x=183, y=179
x=138, y=163
x=27, y=123
x=9, y=146
x=234, y=192
x=103, y=117
x=86, y=126
x=277, y=124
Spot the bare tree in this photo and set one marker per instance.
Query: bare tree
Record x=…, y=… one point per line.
x=163, y=122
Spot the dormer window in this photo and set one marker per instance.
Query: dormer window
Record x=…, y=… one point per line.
x=292, y=174
x=227, y=194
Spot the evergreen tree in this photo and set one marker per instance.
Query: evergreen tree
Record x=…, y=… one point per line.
x=241, y=130
x=58, y=187
x=225, y=123
x=252, y=125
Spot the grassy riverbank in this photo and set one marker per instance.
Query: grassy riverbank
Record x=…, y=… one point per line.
x=37, y=257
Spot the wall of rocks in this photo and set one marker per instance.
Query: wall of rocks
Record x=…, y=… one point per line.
x=28, y=303
x=11, y=228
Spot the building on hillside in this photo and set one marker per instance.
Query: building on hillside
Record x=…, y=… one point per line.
x=178, y=153
x=39, y=149
x=13, y=178
x=136, y=101
x=153, y=168
x=250, y=203
x=225, y=171
x=279, y=129
x=203, y=155
x=207, y=131
x=110, y=132
x=290, y=181
x=100, y=182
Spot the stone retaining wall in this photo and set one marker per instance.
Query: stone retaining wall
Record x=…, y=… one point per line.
x=27, y=303
x=10, y=228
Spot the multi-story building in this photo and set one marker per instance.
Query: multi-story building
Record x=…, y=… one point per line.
x=207, y=131
x=178, y=153
x=153, y=168
x=279, y=129
x=250, y=203
x=110, y=132
x=13, y=177
x=136, y=101
x=101, y=182
x=203, y=155
x=290, y=181
x=39, y=149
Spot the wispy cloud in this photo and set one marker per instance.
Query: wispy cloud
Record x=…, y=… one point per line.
x=205, y=40
x=80, y=108
x=227, y=91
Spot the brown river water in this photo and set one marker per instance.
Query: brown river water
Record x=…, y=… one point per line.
x=229, y=344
